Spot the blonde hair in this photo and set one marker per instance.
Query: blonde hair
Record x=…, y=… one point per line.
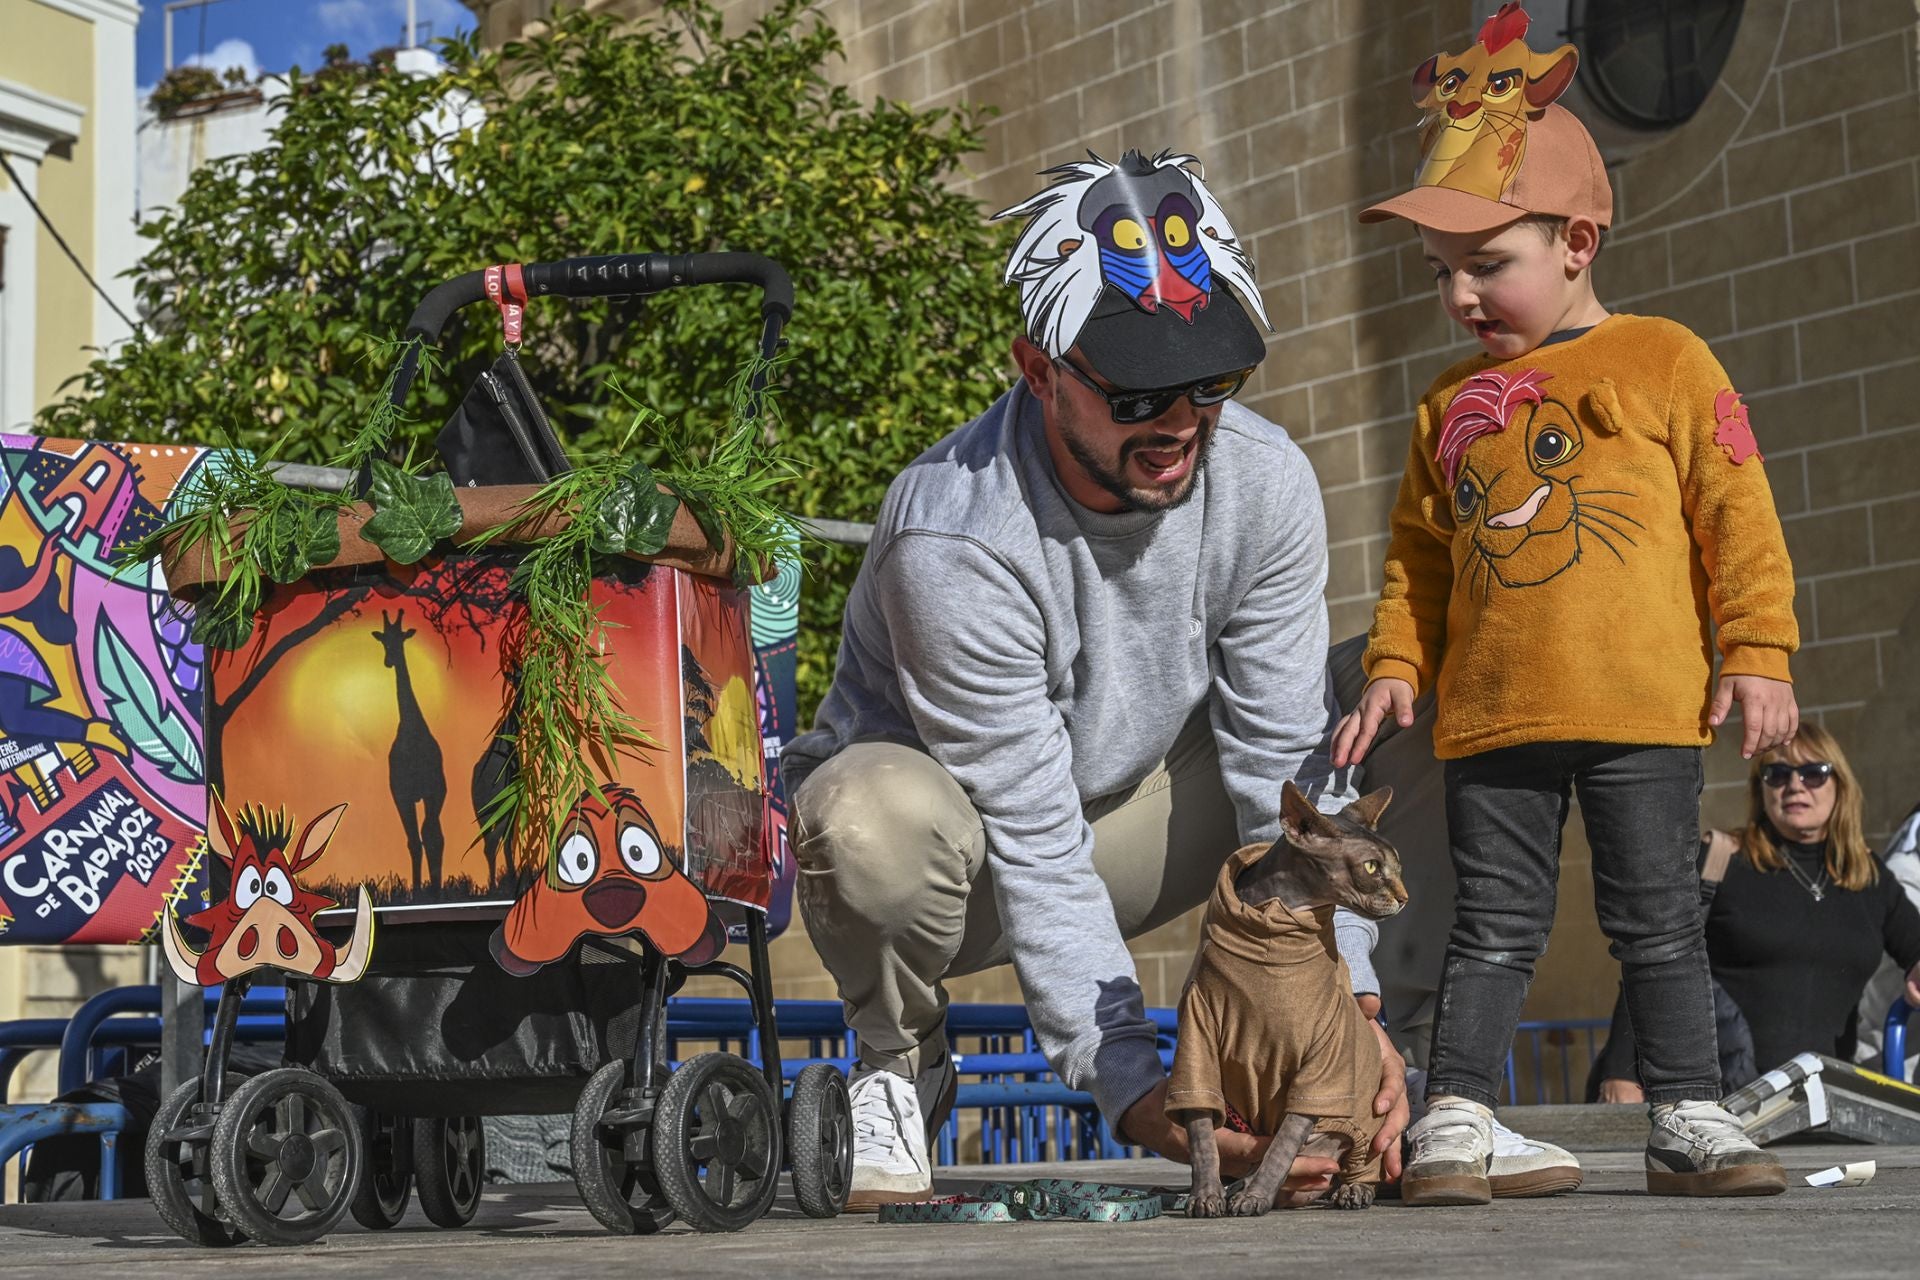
x=1850, y=862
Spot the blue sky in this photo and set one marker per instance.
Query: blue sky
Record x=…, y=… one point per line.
x=272, y=35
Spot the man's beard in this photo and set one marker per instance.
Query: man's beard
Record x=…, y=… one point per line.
x=1113, y=478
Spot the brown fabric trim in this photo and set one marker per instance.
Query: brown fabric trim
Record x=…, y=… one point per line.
x=481, y=509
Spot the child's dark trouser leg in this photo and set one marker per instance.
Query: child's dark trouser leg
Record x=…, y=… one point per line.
x=1256, y=1195
x=1641, y=806
x=1505, y=810
x=1205, y=1200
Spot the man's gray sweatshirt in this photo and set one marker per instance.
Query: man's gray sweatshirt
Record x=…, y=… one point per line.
x=1047, y=655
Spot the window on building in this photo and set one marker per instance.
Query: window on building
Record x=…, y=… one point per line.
x=1651, y=63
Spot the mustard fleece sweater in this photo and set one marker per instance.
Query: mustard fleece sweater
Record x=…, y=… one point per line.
x=1572, y=526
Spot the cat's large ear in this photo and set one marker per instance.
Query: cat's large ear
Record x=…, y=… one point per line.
x=1367, y=809
x=1299, y=820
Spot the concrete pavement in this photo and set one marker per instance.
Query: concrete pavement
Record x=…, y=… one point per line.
x=1608, y=1228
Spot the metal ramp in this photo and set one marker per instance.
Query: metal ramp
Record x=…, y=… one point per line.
x=1829, y=1098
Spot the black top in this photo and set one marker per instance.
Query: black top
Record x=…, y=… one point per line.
x=1565, y=335
x=1794, y=966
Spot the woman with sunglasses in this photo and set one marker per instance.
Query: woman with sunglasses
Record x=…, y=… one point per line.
x=1798, y=913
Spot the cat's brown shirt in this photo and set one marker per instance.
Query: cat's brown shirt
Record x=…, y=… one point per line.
x=1268, y=1023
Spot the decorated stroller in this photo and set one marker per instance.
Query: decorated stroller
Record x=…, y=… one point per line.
x=497, y=984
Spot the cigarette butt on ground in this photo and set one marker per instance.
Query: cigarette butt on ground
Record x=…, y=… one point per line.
x=1858, y=1174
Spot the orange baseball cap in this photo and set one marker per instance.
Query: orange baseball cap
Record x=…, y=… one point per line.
x=1560, y=174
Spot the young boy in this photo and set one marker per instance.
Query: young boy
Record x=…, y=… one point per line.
x=1583, y=506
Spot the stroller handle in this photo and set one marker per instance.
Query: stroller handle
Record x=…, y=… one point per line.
x=614, y=275
x=610, y=276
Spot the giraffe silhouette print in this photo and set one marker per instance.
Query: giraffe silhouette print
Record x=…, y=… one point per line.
x=415, y=772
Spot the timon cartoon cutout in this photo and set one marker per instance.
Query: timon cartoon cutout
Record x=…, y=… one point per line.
x=266, y=919
x=1504, y=451
x=610, y=876
x=1478, y=104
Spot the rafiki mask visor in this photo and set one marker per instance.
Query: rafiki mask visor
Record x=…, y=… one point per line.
x=1132, y=263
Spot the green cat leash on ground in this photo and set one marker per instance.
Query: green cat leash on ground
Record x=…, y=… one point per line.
x=1039, y=1200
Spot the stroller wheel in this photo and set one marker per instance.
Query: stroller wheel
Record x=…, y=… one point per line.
x=449, y=1166
x=820, y=1140
x=179, y=1172
x=286, y=1157
x=716, y=1143
x=622, y=1195
x=386, y=1180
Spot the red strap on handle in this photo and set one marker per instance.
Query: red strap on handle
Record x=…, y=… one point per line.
x=507, y=290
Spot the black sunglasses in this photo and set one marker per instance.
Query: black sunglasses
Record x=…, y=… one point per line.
x=1813, y=775
x=1129, y=407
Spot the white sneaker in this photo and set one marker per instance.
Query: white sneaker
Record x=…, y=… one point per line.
x=1700, y=1149
x=1522, y=1167
x=890, y=1162
x=1452, y=1146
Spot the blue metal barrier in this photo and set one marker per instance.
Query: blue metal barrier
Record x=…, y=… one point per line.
x=22, y=1037
x=1022, y=1111
x=1548, y=1053
x=1893, y=1043
x=98, y=1024
x=1025, y=1112
x=28, y=1035
x=21, y=1127
x=77, y=1044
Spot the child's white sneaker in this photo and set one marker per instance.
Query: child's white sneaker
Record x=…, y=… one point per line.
x=1452, y=1146
x=1523, y=1167
x=1699, y=1149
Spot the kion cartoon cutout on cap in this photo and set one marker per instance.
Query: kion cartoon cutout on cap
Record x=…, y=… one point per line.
x=1478, y=103
x=1146, y=227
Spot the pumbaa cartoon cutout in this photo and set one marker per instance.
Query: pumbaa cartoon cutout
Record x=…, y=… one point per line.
x=611, y=876
x=1478, y=104
x=266, y=920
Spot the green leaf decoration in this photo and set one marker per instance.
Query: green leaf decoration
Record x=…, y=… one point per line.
x=323, y=535
x=635, y=516
x=298, y=537
x=410, y=513
x=284, y=557
x=223, y=619
x=140, y=714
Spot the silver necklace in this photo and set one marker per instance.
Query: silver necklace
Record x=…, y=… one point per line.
x=1817, y=886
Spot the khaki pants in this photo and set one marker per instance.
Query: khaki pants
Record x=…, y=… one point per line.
x=897, y=893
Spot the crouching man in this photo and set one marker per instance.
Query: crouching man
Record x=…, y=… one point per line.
x=1086, y=648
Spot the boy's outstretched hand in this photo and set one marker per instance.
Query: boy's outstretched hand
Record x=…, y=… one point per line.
x=1353, y=738
x=1767, y=710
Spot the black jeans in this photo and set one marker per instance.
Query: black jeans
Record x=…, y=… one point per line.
x=1505, y=810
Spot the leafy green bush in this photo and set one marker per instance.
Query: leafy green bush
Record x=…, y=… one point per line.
x=272, y=286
